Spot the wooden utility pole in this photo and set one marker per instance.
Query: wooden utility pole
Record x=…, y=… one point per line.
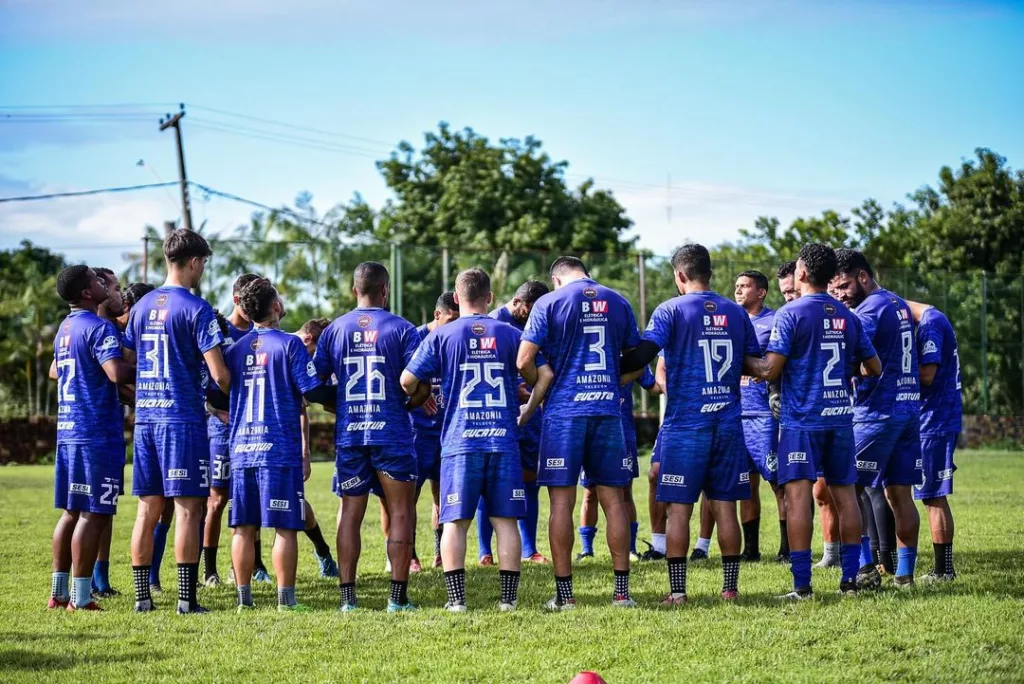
x=175, y=123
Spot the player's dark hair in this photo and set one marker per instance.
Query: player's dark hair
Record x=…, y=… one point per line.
x=182, y=245
x=694, y=262
x=850, y=261
x=786, y=269
x=820, y=261
x=567, y=264
x=446, y=302
x=530, y=291
x=107, y=275
x=241, y=281
x=369, y=278
x=314, y=326
x=473, y=284
x=257, y=299
x=72, y=281
x=760, y=279
x=135, y=292
x=222, y=322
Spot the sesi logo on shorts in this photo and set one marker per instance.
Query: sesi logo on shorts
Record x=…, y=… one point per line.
x=556, y=463
x=867, y=465
x=351, y=483
x=280, y=505
x=797, y=457
x=675, y=480
x=452, y=498
x=518, y=494
x=76, y=488
x=177, y=474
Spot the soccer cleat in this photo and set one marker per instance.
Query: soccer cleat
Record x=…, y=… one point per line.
x=406, y=607
x=868, y=578
x=347, y=607
x=487, y=560
x=455, y=607
x=781, y=557
x=555, y=607
x=507, y=607
x=674, y=599
x=582, y=557
x=109, y=592
x=623, y=601
x=698, y=555
x=730, y=595
x=652, y=555
x=328, y=568
x=91, y=605
x=828, y=562
x=801, y=594
x=750, y=557
x=903, y=582
x=937, y=577
x=414, y=565
x=58, y=604
x=294, y=608
x=157, y=589
x=261, y=576
x=848, y=589
x=438, y=562
x=212, y=581
x=244, y=608
x=634, y=557
x=146, y=606
x=538, y=558
x=194, y=609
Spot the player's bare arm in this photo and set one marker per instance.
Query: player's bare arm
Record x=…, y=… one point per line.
x=872, y=367
x=769, y=368
x=304, y=428
x=526, y=362
x=627, y=378
x=53, y=370
x=545, y=376
x=417, y=390
x=218, y=369
x=119, y=372
x=660, y=377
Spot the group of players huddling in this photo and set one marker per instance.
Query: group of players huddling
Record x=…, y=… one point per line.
x=847, y=395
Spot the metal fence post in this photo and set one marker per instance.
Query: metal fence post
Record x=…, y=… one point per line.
x=984, y=342
x=445, y=272
x=641, y=274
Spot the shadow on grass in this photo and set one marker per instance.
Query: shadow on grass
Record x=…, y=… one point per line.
x=22, y=659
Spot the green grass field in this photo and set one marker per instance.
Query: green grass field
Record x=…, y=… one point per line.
x=971, y=630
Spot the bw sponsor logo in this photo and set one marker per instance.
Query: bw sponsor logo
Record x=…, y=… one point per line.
x=76, y=488
x=796, y=457
x=673, y=480
x=280, y=505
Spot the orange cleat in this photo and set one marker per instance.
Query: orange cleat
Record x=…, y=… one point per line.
x=487, y=560
x=539, y=558
x=57, y=604
x=91, y=605
x=414, y=565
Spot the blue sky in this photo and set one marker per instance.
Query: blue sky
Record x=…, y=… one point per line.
x=777, y=108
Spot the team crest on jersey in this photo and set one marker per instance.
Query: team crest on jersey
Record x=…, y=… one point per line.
x=590, y=293
x=830, y=309
x=161, y=300
x=710, y=307
x=364, y=321
x=930, y=347
x=478, y=328
x=213, y=328
x=256, y=344
x=109, y=342
x=311, y=369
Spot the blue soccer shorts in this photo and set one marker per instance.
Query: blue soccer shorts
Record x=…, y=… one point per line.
x=632, y=452
x=592, y=443
x=265, y=496
x=357, y=468
x=710, y=459
x=888, y=452
x=810, y=454
x=220, y=462
x=428, y=456
x=761, y=437
x=171, y=459
x=936, y=465
x=89, y=478
x=656, y=451
x=465, y=478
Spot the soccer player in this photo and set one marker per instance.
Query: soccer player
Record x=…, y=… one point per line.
x=426, y=434
x=218, y=431
x=709, y=342
x=787, y=281
x=582, y=328
x=475, y=357
x=814, y=346
x=273, y=372
x=760, y=429
x=366, y=349
x=941, y=409
x=588, y=507
x=516, y=313
x=656, y=510
x=90, y=435
x=886, y=418
x=172, y=332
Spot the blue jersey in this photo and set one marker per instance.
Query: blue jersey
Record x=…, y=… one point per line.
x=421, y=422
x=476, y=359
x=529, y=434
x=582, y=329
x=170, y=329
x=505, y=316
x=88, y=410
x=626, y=395
x=941, y=403
x=214, y=428
x=754, y=392
x=822, y=340
x=705, y=337
x=890, y=327
x=366, y=349
x=270, y=371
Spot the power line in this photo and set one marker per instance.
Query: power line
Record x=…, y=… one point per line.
x=297, y=127
x=83, y=193
x=285, y=138
x=79, y=107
